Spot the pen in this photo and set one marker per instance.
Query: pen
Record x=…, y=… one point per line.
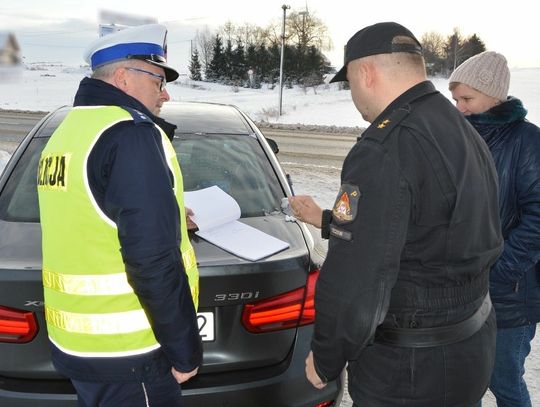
x=289, y=181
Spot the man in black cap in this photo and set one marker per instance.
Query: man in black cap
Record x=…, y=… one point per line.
x=119, y=273
x=403, y=292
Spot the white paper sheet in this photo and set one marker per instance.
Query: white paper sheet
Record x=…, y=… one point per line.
x=217, y=214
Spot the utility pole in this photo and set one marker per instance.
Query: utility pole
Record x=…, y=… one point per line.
x=284, y=7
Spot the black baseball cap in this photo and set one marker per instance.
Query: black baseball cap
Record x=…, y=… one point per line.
x=376, y=39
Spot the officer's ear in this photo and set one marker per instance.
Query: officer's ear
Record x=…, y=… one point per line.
x=367, y=73
x=121, y=79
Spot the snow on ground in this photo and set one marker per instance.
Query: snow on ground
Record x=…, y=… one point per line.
x=47, y=86
x=4, y=158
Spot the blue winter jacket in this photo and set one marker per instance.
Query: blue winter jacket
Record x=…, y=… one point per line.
x=515, y=277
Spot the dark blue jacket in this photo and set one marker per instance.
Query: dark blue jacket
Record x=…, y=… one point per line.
x=131, y=182
x=515, y=145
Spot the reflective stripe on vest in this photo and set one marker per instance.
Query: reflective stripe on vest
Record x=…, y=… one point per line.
x=96, y=284
x=99, y=284
x=114, y=323
x=97, y=314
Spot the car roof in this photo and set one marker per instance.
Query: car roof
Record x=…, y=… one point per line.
x=192, y=118
x=205, y=118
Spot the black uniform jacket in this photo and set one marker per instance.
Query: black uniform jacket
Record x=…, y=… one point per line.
x=414, y=231
x=131, y=182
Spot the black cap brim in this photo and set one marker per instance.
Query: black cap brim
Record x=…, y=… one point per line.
x=341, y=76
x=170, y=74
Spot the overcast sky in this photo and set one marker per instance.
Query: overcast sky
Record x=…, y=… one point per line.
x=59, y=30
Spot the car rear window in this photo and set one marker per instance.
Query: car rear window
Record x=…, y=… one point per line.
x=19, y=201
x=237, y=164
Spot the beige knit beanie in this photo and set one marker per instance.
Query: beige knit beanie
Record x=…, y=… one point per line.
x=487, y=72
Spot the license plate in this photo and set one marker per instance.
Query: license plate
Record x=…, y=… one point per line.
x=206, y=326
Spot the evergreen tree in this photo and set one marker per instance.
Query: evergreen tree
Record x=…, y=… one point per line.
x=195, y=67
x=252, y=59
x=239, y=70
x=228, y=61
x=274, y=62
x=453, y=51
x=291, y=65
x=263, y=65
x=472, y=46
x=217, y=66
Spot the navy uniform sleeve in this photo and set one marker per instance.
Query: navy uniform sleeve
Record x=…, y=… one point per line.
x=367, y=235
x=136, y=193
x=522, y=245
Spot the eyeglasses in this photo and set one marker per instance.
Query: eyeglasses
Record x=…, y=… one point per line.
x=163, y=80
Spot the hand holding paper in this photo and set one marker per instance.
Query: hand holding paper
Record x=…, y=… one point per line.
x=216, y=214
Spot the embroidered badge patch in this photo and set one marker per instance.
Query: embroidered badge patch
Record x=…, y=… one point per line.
x=346, y=206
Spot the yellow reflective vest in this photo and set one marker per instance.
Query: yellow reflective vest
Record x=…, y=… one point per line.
x=90, y=309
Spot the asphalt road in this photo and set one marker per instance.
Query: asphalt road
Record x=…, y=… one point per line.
x=14, y=125
x=324, y=147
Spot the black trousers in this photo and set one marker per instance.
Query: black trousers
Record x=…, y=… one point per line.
x=455, y=375
x=162, y=392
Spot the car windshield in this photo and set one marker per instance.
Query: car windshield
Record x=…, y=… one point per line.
x=236, y=164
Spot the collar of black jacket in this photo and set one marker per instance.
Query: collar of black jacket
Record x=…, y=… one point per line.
x=94, y=92
x=416, y=92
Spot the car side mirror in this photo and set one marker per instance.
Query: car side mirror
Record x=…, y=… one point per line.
x=273, y=145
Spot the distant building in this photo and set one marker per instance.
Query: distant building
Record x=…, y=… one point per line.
x=10, y=52
x=112, y=21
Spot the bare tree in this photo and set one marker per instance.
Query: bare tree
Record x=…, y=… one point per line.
x=433, y=45
x=260, y=36
x=306, y=30
x=204, y=41
x=228, y=31
x=273, y=31
x=247, y=33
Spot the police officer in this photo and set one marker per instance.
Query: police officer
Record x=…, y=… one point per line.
x=402, y=296
x=119, y=272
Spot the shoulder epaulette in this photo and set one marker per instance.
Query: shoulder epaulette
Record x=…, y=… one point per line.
x=381, y=129
x=138, y=117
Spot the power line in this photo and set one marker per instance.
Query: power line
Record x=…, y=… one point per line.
x=41, y=33
x=53, y=45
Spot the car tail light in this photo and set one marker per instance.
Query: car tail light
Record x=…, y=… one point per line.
x=17, y=326
x=325, y=403
x=288, y=310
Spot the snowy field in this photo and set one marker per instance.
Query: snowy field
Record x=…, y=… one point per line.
x=47, y=86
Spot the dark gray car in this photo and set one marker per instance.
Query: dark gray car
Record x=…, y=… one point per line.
x=255, y=317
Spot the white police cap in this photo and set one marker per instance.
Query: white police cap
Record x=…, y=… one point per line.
x=144, y=42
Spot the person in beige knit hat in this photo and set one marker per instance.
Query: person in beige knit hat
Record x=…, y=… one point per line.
x=487, y=72
x=480, y=88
